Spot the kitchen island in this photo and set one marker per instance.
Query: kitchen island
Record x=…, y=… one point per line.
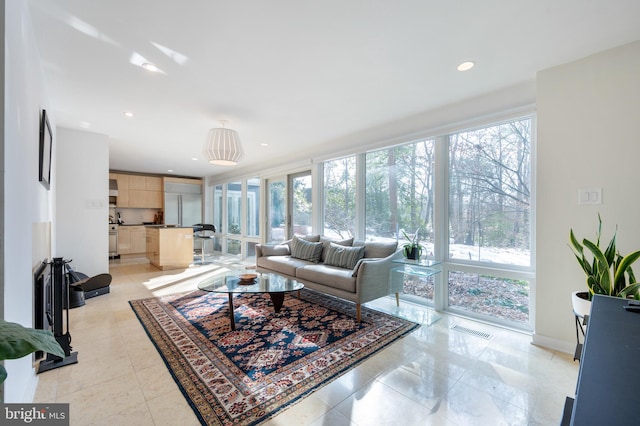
x=169, y=246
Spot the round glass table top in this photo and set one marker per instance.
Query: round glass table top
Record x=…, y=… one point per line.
x=264, y=283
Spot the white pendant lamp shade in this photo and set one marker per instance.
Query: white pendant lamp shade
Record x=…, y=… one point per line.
x=223, y=147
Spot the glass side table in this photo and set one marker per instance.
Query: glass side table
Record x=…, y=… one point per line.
x=422, y=267
x=419, y=269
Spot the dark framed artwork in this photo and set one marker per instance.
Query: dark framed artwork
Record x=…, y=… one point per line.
x=46, y=146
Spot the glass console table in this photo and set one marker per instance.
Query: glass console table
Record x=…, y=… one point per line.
x=419, y=268
x=422, y=267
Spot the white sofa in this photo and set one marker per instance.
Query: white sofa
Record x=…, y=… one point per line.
x=358, y=271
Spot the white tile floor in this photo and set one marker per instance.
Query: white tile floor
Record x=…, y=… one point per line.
x=435, y=375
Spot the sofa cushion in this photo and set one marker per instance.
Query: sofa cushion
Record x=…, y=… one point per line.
x=326, y=241
x=303, y=249
x=379, y=249
x=343, y=257
x=331, y=276
x=275, y=250
x=281, y=264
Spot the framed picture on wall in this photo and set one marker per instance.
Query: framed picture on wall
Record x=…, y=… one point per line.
x=46, y=145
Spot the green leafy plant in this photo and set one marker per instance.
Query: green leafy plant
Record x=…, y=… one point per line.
x=17, y=341
x=608, y=272
x=412, y=245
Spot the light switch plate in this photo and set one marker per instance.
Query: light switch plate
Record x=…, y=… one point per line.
x=590, y=196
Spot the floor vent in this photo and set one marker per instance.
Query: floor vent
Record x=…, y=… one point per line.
x=471, y=331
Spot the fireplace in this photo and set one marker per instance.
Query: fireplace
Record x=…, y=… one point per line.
x=51, y=290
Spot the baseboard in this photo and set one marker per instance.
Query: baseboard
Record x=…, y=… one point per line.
x=555, y=344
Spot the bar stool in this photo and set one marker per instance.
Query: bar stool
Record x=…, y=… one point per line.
x=204, y=232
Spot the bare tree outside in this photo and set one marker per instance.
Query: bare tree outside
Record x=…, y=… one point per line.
x=489, y=180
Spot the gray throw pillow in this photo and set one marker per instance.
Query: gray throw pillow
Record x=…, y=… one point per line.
x=303, y=249
x=326, y=241
x=343, y=257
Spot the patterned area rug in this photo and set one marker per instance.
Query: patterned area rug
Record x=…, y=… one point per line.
x=271, y=361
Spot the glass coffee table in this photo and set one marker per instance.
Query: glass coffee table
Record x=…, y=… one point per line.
x=274, y=284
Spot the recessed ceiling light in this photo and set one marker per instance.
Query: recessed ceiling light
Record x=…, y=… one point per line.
x=150, y=67
x=170, y=171
x=264, y=144
x=466, y=66
x=128, y=114
x=194, y=158
x=85, y=124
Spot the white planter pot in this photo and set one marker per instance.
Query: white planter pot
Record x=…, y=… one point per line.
x=581, y=307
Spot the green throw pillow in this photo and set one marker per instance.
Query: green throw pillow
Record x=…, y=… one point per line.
x=342, y=256
x=302, y=249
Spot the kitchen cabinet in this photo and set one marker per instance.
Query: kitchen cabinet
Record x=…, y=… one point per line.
x=138, y=191
x=138, y=239
x=137, y=182
x=132, y=239
x=153, y=183
x=145, y=199
x=123, y=189
x=170, y=247
x=124, y=240
x=153, y=249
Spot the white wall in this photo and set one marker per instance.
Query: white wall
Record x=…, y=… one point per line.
x=82, y=205
x=27, y=204
x=588, y=136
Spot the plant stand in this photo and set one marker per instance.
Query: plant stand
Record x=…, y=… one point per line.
x=580, y=322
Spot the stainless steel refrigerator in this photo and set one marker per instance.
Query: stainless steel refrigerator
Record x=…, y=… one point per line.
x=182, y=204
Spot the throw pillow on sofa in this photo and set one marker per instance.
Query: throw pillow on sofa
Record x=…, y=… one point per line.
x=326, y=241
x=306, y=250
x=342, y=256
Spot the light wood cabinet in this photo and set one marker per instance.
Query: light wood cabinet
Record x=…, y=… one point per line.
x=153, y=183
x=137, y=182
x=138, y=239
x=132, y=239
x=153, y=249
x=145, y=199
x=138, y=191
x=170, y=248
x=124, y=239
x=123, y=189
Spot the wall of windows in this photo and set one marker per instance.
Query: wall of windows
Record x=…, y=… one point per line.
x=481, y=181
x=236, y=216
x=467, y=195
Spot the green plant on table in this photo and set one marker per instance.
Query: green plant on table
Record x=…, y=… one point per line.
x=607, y=272
x=412, y=245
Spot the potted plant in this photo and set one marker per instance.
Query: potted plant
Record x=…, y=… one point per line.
x=607, y=272
x=17, y=341
x=412, y=250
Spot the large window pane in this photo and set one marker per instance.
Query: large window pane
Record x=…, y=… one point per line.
x=217, y=215
x=340, y=198
x=301, y=204
x=276, y=211
x=234, y=207
x=496, y=297
x=399, y=193
x=234, y=246
x=253, y=207
x=489, y=198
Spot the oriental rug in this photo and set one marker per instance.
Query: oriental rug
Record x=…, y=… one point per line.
x=271, y=360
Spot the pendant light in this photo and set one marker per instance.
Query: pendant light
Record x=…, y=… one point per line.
x=223, y=146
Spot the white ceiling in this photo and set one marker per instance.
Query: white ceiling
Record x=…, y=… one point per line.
x=296, y=75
